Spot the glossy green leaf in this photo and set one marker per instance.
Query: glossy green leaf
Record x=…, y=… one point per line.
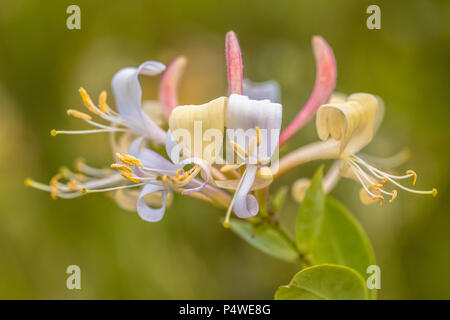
x=326, y=232
x=324, y=282
x=310, y=218
x=266, y=238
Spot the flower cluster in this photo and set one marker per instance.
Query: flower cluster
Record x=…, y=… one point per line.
x=226, y=149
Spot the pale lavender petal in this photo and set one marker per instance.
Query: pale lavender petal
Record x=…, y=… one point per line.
x=323, y=87
x=128, y=94
x=262, y=90
x=234, y=63
x=147, y=213
x=246, y=205
x=168, y=88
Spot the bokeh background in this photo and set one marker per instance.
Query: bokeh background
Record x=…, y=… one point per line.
x=189, y=255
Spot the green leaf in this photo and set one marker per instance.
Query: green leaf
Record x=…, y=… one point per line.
x=324, y=282
x=326, y=232
x=279, y=199
x=266, y=238
x=310, y=218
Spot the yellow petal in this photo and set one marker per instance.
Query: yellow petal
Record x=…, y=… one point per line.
x=351, y=122
x=198, y=130
x=263, y=178
x=299, y=188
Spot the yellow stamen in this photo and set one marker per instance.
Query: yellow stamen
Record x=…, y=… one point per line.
x=179, y=173
x=434, y=192
x=72, y=185
x=414, y=175
x=377, y=186
x=394, y=195
x=258, y=135
x=226, y=224
x=384, y=181
x=238, y=148
x=128, y=176
x=121, y=167
x=228, y=167
x=129, y=160
x=28, y=182
x=54, y=186
x=53, y=132
x=102, y=102
x=78, y=114
x=378, y=197
x=88, y=101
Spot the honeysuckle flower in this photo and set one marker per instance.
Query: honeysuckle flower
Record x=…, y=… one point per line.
x=351, y=125
x=133, y=116
x=140, y=167
x=252, y=134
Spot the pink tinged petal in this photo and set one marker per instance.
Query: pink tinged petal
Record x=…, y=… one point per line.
x=168, y=88
x=245, y=205
x=234, y=63
x=147, y=213
x=323, y=88
x=128, y=94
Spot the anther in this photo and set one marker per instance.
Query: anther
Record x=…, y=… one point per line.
x=179, y=172
x=238, y=148
x=102, y=102
x=129, y=160
x=377, y=186
x=72, y=185
x=394, y=195
x=78, y=114
x=414, y=175
x=87, y=101
x=258, y=135
x=228, y=167
x=434, y=192
x=54, y=187
x=121, y=167
x=378, y=197
x=128, y=176
x=53, y=132
x=226, y=224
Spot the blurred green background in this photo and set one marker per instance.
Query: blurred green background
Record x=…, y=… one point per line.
x=189, y=254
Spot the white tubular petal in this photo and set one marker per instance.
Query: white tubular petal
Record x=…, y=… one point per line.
x=245, y=114
x=128, y=93
x=262, y=90
x=351, y=123
x=197, y=130
x=245, y=205
x=147, y=213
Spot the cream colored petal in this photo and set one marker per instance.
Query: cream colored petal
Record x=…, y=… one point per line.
x=198, y=130
x=263, y=179
x=351, y=123
x=337, y=97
